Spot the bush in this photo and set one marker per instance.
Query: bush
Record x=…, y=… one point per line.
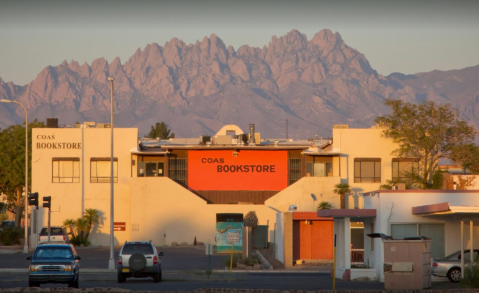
x=76, y=241
x=11, y=236
x=236, y=258
x=471, y=276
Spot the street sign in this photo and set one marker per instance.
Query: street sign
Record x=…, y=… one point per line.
x=119, y=226
x=233, y=237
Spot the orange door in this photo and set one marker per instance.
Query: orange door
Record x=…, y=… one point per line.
x=313, y=240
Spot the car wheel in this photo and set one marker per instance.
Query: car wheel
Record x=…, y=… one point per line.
x=71, y=284
x=77, y=284
x=454, y=275
x=121, y=278
x=33, y=284
x=156, y=277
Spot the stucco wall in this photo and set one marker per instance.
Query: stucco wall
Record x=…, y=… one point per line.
x=300, y=192
x=363, y=143
x=166, y=212
x=395, y=207
x=67, y=197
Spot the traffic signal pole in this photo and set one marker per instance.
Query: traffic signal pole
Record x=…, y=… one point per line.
x=47, y=203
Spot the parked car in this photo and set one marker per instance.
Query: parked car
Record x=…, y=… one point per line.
x=450, y=266
x=57, y=234
x=139, y=259
x=54, y=263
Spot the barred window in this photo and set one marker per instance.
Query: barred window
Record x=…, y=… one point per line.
x=65, y=170
x=100, y=169
x=294, y=170
x=367, y=170
x=178, y=171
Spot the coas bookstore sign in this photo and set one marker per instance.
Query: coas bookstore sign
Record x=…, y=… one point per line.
x=246, y=170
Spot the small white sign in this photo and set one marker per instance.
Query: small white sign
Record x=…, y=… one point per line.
x=233, y=237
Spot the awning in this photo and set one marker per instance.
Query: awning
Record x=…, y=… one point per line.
x=309, y=216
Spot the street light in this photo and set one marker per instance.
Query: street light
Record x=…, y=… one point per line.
x=25, y=247
x=111, y=263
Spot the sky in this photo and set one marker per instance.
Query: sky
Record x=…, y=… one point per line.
x=395, y=36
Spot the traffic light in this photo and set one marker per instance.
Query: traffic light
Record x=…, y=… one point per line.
x=47, y=201
x=33, y=199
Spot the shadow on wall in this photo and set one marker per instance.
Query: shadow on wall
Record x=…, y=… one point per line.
x=102, y=239
x=356, y=199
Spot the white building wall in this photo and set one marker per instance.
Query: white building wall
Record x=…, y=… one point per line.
x=279, y=238
x=395, y=207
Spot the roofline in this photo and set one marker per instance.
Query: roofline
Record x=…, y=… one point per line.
x=232, y=147
x=419, y=191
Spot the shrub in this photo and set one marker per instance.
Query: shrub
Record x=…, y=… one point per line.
x=236, y=258
x=255, y=259
x=471, y=276
x=11, y=236
x=324, y=205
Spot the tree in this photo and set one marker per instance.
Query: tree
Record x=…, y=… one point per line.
x=12, y=166
x=342, y=189
x=427, y=132
x=93, y=218
x=324, y=205
x=160, y=130
x=468, y=156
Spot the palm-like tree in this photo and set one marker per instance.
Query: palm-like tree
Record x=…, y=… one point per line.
x=93, y=218
x=70, y=223
x=82, y=226
x=342, y=189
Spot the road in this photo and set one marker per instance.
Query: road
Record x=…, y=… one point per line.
x=279, y=281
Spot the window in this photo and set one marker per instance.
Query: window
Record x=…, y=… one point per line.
x=178, y=171
x=404, y=167
x=319, y=167
x=433, y=231
x=367, y=170
x=149, y=166
x=294, y=170
x=100, y=170
x=66, y=170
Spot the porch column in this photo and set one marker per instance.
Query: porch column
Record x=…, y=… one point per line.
x=471, y=251
x=347, y=243
x=462, y=248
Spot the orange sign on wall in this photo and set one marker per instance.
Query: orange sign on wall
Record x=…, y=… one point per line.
x=245, y=170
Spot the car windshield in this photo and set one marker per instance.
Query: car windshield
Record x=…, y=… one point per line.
x=53, y=253
x=137, y=248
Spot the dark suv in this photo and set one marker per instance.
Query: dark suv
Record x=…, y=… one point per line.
x=139, y=260
x=54, y=263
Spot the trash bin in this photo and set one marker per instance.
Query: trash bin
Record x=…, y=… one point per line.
x=407, y=263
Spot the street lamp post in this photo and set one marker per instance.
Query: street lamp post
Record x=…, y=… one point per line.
x=111, y=263
x=25, y=247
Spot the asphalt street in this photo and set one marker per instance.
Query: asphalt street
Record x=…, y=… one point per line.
x=285, y=281
x=175, y=258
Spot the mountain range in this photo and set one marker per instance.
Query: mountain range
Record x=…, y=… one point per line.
x=198, y=88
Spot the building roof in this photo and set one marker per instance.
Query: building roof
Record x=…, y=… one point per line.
x=352, y=213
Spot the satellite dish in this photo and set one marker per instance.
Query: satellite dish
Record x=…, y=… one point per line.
x=313, y=196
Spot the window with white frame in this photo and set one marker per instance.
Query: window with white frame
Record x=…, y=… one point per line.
x=65, y=170
x=100, y=170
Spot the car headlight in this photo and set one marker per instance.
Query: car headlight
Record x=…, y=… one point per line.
x=68, y=268
x=34, y=268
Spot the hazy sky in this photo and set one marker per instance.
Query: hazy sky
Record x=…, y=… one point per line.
x=395, y=36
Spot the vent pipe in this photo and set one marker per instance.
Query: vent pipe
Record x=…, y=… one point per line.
x=251, y=134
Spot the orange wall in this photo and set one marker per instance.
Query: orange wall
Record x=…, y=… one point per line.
x=249, y=170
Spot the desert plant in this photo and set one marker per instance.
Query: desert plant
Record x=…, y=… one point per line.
x=11, y=236
x=236, y=258
x=92, y=217
x=324, y=205
x=342, y=189
x=471, y=276
x=251, y=220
